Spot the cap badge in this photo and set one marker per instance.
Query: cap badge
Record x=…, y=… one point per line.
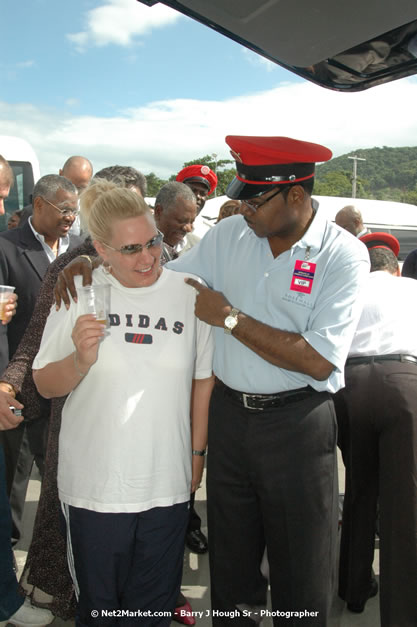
x=205, y=170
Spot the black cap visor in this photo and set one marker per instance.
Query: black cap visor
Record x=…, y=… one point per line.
x=250, y=178
x=197, y=179
x=239, y=190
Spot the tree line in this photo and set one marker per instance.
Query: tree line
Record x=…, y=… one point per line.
x=386, y=174
x=224, y=173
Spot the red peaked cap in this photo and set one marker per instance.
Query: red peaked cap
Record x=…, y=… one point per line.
x=198, y=174
x=381, y=240
x=265, y=161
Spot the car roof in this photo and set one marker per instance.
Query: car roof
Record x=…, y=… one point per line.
x=347, y=46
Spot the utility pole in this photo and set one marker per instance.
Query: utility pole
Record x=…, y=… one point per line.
x=215, y=169
x=354, y=177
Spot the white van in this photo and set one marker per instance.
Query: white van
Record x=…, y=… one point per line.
x=397, y=218
x=25, y=164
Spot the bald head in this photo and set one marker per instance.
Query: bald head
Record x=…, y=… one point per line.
x=78, y=170
x=350, y=219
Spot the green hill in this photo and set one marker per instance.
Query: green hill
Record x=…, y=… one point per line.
x=387, y=174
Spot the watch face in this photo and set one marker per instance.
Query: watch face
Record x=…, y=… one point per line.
x=230, y=322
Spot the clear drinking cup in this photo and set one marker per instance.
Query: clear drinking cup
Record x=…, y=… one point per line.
x=95, y=299
x=5, y=292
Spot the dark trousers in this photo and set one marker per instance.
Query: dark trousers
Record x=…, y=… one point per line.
x=22, y=447
x=272, y=482
x=126, y=563
x=10, y=599
x=377, y=416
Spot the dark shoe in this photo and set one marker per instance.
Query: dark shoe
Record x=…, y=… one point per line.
x=196, y=541
x=358, y=608
x=184, y=614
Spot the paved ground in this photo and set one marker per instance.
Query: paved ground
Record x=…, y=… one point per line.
x=196, y=575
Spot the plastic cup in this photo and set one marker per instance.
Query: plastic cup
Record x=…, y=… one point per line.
x=95, y=299
x=5, y=291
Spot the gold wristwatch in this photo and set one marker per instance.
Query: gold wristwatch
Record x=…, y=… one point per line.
x=231, y=320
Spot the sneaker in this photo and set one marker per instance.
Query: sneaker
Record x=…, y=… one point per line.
x=30, y=616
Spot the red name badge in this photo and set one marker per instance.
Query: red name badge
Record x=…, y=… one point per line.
x=303, y=276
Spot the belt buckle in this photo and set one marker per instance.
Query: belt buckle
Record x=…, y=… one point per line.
x=245, y=398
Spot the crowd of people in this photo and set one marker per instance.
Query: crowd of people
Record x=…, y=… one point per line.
x=275, y=338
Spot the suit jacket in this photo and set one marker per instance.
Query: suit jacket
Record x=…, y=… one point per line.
x=23, y=264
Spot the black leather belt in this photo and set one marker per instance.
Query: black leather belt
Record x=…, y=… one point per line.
x=266, y=401
x=370, y=359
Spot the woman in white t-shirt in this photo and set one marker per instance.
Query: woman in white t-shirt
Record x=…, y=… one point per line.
x=128, y=453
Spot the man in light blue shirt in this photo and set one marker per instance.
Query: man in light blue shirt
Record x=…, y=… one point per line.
x=284, y=297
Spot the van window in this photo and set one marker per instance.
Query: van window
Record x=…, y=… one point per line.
x=406, y=237
x=20, y=193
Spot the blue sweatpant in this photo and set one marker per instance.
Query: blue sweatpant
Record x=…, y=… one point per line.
x=126, y=568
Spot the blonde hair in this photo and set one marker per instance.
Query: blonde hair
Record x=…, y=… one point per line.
x=103, y=203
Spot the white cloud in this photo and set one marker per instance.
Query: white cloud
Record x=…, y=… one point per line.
x=120, y=22
x=23, y=65
x=258, y=60
x=72, y=102
x=11, y=71
x=160, y=136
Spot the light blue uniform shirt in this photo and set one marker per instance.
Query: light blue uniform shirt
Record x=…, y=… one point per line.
x=233, y=260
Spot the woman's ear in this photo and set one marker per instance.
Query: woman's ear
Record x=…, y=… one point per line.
x=101, y=249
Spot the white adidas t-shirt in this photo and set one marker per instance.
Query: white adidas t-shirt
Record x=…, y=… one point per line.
x=125, y=443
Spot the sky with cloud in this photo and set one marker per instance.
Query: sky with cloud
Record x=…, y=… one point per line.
x=119, y=82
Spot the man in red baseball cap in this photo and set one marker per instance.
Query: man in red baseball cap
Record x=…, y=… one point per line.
x=380, y=239
x=201, y=179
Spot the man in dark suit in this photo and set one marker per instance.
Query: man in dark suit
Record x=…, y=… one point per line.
x=25, y=255
x=12, y=606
